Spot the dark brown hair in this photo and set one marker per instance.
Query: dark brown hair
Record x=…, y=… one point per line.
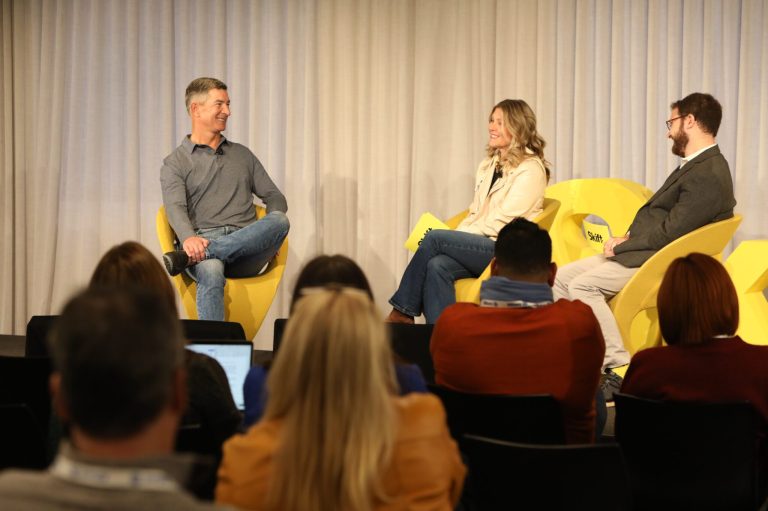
x=704, y=108
x=131, y=264
x=697, y=301
x=331, y=269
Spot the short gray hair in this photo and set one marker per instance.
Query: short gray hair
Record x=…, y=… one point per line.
x=200, y=86
x=116, y=350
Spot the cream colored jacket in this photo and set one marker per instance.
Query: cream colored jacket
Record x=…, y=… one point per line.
x=518, y=193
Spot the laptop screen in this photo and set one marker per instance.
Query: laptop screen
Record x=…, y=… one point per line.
x=234, y=358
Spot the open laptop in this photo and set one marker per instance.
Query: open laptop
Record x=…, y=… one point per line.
x=234, y=357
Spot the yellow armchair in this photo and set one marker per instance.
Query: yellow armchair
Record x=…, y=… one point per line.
x=635, y=305
x=468, y=290
x=748, y=267
x=614, y=200
x=246, y=300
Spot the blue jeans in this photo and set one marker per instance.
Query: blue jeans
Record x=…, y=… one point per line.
x=234, y=252
x=442, y=258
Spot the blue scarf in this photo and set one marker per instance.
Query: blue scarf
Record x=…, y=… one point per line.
x=504, y=292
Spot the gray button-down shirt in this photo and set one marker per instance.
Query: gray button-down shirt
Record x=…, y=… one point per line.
x=205, y=187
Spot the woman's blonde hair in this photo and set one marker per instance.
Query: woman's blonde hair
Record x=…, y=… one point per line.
x=332, y=387
x=520, y=121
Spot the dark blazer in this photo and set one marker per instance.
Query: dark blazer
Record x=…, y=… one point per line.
x=698, y=194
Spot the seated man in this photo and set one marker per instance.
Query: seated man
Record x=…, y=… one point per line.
x=518, y=341
x=208, y=185
x=119, y=383
x=698, y=192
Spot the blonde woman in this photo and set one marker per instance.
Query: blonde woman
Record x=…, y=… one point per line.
x=335, y=436
x=509, y=184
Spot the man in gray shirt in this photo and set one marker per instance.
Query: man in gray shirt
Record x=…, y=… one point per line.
x=119, y=383
x=208, y=186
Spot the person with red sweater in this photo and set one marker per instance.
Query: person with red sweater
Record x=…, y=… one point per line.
x=705, y=360
x=519, y=340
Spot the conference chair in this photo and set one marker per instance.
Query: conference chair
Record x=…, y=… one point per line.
x=468, y=290
x=25, y=381
x=747, y=267
x=22, y=438
x=533, y=419
x=635, y=305
x=409, y=342
x=246, y=300
x=508, y=475
x=38, y=327
x=613, y=200
x=686, y=455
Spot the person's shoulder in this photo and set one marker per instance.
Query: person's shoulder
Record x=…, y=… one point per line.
x=420, y=414
x=25, y=489
x=574, y=310
x=258, y=441
x=531, y=163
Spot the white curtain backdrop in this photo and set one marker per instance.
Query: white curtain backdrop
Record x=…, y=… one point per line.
x=366, y=113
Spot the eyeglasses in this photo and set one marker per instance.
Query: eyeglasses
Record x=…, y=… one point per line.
x=669, y=122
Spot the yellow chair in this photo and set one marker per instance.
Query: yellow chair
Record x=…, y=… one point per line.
x=246, y=300
x=614, y=200
x=635, y=305
x=468, y=290
x=748, y=267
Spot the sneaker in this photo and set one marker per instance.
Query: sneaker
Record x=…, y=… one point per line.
x=610, y=383
x=175, y=262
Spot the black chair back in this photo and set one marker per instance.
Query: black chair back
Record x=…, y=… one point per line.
x=507, y=475
x=38, y=328
x=683, y=455
x=37, y=333
x=409, y=342
x=198, y=329
x=22, y=438
x=532, y=419
x=25, y=381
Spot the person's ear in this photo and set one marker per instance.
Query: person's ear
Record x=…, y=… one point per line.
x=494, y=267
x=552, y=273
x=58, y=402
x=179, y=391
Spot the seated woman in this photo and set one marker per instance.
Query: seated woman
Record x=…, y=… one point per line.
x=321, y=271
x=705, y=360
x=335, y=435
x=210, y=405
x=509, y=184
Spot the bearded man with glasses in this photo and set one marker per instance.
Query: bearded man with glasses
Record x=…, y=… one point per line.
x=698, y=192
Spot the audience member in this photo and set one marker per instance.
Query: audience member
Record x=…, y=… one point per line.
x=119, y=383
x=509, y=183
x=698, y=192
x=211, y=405
x=334, y=435
x=321, y=271
x=705, y=360
x=517, y=341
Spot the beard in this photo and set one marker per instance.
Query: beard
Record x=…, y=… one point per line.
x=679, y=142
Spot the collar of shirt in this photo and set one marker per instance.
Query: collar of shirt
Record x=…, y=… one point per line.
x=190, y=146
x=688, y=158
x=157, y=473
x=503, y=292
